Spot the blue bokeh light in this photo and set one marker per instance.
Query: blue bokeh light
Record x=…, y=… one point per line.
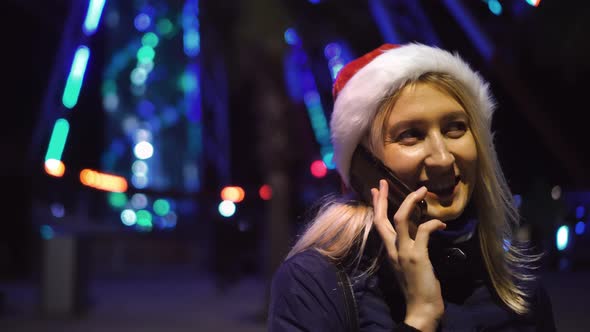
x=580, y=227
x=291, y=37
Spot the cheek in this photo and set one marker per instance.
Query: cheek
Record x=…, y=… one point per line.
x=466, y=153
x=404, y=163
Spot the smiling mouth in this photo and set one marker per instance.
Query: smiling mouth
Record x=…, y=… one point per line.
x=444, y=190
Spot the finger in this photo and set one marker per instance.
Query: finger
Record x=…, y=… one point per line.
x=402, y=216
x=380, y=218
x=383, y=225
x=377, y=205
x=424, y=231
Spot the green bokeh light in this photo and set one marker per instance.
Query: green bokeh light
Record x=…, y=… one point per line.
x=144, y=218
x=161, y=207
x=117, y=200
x=150, y=39
x=187, y=82
x=108, y=87
x=145, y=54
x=164, y=27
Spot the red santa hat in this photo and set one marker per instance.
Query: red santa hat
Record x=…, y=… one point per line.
x=363, y=83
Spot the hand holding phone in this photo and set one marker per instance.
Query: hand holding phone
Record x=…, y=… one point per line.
x=409, y=258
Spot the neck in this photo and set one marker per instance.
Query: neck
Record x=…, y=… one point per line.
x=457, y=231
x=460, y=229
x=455, y=252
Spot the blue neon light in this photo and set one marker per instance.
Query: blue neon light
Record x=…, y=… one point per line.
x=190, y=23
x=471, y=28
x=384, y=22
x=580, y=211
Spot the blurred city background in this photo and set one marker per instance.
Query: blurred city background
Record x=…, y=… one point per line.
x=162, y=156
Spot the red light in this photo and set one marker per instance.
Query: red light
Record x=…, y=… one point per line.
x=265, y=192
x=318, y=169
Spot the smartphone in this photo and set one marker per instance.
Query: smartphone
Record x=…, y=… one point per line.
x=365, y=172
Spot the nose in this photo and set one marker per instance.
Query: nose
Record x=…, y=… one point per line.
x=438, y=156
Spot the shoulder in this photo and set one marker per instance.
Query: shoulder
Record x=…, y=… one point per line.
x=306, y=268
x=540, y=299
x=540, y=308
x=305, y=294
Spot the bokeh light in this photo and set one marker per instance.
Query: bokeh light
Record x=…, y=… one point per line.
x=227, y=208
x=128, y=217
x=265, y=192
x=318, y=169
x=161, y=207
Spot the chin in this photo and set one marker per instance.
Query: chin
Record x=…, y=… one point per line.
x=445, y=213
x=444, y=216
x=448, y=208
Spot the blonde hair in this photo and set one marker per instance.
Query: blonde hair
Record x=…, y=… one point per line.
x=339, y=225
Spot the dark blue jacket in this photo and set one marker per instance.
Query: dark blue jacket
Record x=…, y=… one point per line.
x=306, y=296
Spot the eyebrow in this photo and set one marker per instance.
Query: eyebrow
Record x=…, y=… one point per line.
x=454, y=115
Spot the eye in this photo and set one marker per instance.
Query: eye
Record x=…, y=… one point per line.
x=456, y=129
x=409, y=136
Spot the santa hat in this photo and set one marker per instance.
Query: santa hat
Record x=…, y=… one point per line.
x=363, y=83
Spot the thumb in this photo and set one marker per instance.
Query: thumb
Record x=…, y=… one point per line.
x=424, y=231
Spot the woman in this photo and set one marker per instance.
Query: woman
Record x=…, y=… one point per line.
x=426, y=115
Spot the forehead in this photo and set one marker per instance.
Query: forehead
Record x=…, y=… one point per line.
x=424, y=101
